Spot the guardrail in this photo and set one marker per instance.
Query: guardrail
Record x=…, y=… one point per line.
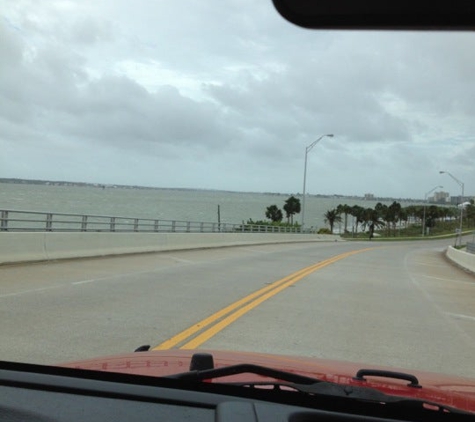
x=36, y=221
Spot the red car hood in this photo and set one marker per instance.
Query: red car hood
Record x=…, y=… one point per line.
x=446, y=390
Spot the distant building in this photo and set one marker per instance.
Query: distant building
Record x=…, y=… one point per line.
x=439, y=197
x=459, y=199
x=369, y=196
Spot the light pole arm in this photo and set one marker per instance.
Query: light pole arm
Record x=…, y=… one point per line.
x=425, y=202
x=302, y=220
x=432, y=190
x=307, y=149
x=313, y=144
x=460, y=183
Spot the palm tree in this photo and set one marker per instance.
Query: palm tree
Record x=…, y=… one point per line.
x=414, y=213
x=344, y=209
x=332, y=217
x=404, y=216
x=372, y=219
x=358, y=213
x=470, y=213
x=274, y=213
x=385, y=214
x=291, y=207
x=394, y=214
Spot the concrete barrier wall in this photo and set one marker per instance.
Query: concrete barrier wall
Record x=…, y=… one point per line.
x=26, y=247
x=461, y=258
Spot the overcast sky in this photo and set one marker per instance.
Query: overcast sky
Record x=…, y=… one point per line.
x=227, y=95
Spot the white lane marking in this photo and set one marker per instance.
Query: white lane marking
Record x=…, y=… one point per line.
x=87, y=281
x=184, y=261
x=68, y=284
x=30, y=291
x=428, y=264
x=412, y=277
x=109, y=277
x=461, y=316
x=84, y=281
x=256, y=250
x=447, y=279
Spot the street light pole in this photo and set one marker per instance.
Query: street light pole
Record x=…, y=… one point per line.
x=462, y=185
x=425, y=202
x=307, y=149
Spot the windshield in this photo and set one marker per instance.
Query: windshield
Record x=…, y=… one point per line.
x=206, y=175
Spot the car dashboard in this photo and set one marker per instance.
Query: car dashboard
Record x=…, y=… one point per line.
x=33, y=393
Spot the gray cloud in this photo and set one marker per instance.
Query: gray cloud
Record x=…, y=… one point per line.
x=90, y=31
x=229, y=86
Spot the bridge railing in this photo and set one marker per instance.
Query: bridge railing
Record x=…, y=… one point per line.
x=36, y=221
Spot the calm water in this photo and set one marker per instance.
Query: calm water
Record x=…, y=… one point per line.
x=165, y=204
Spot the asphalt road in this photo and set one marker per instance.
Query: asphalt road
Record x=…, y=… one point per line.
x=387, y=303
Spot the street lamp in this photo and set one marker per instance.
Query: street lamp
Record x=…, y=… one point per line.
x=461, y=184
x=307, y=149
x=425, y=202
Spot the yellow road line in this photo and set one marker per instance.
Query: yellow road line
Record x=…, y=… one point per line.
x=250, y=302
x=173, y=341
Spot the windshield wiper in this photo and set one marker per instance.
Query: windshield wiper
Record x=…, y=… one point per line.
x=202, y=368
x=330, y=389
x=226, y=371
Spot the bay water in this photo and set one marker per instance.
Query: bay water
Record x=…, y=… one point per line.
x=164, y=204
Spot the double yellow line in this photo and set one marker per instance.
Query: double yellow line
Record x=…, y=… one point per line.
x=231, y=313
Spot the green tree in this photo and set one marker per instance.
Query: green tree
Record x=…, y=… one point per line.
x=332, y=217
x=291, y=207
x=470, y=213
x=372, y=220
x=386, y=216
x=414, y=213
x=434, y=213
x=396, y=213
x=358, y=213
x=393, y=215
x=446, y=212
x=274, y=213
x=404, y=216
x=344, y=209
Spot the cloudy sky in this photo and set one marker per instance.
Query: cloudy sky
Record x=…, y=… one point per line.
x=226, y=95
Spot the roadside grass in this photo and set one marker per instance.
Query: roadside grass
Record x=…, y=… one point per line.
x=442, y=230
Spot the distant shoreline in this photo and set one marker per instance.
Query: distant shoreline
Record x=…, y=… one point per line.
x=120, y=186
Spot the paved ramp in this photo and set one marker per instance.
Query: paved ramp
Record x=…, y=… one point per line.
x=399, y=304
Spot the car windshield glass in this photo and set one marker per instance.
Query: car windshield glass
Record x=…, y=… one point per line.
x=206, y=175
